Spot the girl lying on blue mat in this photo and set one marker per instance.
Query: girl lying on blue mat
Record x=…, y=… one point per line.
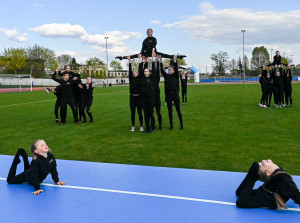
x=43, y=163
x=277, y=189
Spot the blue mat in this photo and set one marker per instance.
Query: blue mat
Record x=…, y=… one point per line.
x=101, y=192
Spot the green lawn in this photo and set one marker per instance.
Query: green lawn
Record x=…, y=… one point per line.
x=224, y=129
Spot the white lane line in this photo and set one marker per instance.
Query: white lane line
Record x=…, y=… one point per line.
x=34, y=102
x=148, y=194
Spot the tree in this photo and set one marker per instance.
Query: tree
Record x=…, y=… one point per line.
x=116, y=65
x=95, y=64
x=260, y=57
x=74, y=64
x=134, y=64
x=220, y=62
x=233, y=66
x=42, y=53
x=64, y=60
x=16, y=58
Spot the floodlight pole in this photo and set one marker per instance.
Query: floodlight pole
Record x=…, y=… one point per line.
x=243, y=31
x=106, y=37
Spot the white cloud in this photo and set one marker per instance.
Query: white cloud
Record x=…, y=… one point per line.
x=13, y=34
x=225, y=25
x=59, y=30
x=115, y=41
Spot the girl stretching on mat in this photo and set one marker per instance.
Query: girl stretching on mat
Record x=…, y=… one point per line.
x=278, y=187
x=43, y=163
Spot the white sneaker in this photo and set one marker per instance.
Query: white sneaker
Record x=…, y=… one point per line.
x=141, y=129
x=264, y=106
x=132, y=128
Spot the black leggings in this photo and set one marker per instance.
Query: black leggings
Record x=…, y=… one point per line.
x=184, y=93
x=56, y=107
x=278, y=95
x=148, y=106
x=86, y=105
x=157, y=105
x=22, y=177
x=135, y=103
x=288, y=95
x=264, y=95
x=149, y=54
x=63, y=109
x=173, y=96
x=269, y=97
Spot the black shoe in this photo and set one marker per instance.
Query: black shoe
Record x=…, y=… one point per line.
x=56, y=120
x=61, y=123
x=84, y=121
x=119, y=57
x=77, y=123
x=160, y=128
x=91, y=121
x=181, y=127
x=153, y=127
x=171, y=127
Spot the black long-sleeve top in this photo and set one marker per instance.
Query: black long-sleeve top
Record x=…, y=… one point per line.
x=171, y=80
x=263, y=81
x=287, y=80
x=87, y=93
x=269, y=82
x=183, y=80
x=148, y=44
x=157, y=75
x=277, y=59
x=281, y=184
x=40, y=167
x=58, y=92
x=134, y=82
x=67, y=86
x=278, y=81
x=71, y=74
x=147, y=83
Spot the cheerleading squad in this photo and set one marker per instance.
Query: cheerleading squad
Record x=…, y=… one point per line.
x=145, y=92
x=276, y=79
x=74, y=93
x=144, y=85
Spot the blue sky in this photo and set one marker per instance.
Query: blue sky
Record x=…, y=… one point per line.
x=195, y=28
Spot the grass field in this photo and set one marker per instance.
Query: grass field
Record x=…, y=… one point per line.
x=224, y=129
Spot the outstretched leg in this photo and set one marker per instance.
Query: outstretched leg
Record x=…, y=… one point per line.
x=21, y=178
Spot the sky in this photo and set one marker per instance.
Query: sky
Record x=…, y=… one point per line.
x=193, y=27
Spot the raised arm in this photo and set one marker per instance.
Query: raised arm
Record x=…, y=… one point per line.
x=54, y=76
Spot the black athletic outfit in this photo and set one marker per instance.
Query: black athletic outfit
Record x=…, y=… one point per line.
x=34, y=174
x=147, y=48
x=263, y=85
x=183, y=80
x=86, y=101
x=172, y=93
x=58, y=93
x=269, y=89
x=147, y=94
x=277, y=60
x=135, y=97
x=67, y=98
x=278, y=88
x=288, y=87
x=279, y=182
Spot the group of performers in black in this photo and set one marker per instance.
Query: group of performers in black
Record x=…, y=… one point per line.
x=144, y=85
x=72, y=92
x=145, y=91
x=276, y=79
